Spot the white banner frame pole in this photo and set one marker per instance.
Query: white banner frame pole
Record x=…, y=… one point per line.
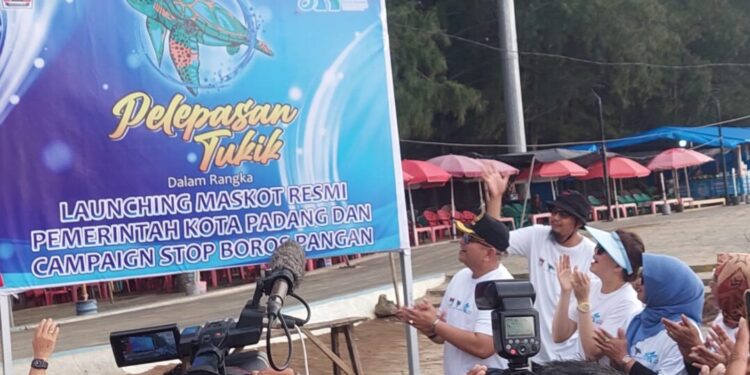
x=412, y=340
x=5, y=319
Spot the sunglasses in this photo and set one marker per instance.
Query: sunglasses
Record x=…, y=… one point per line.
x=561, y=213
x=469, y=238
x=600, y=250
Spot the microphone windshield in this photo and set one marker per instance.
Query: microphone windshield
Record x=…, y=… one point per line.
x=290, y=255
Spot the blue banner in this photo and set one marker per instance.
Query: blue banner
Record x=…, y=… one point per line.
x=147, y=137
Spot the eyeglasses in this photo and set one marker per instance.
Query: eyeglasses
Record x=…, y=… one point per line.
x=469, y=238
x=561, y=213
x=600, y=250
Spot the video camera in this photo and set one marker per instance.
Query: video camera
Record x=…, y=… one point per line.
x=515, y=322
x=205, y=350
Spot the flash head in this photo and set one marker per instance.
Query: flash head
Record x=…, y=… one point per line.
x=504, y=295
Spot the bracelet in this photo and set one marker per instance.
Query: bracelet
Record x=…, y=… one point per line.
x=626, y=359
x=432, y=336
x=435, y=323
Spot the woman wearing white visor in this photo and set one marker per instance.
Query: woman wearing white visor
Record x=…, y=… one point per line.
x=607, y=302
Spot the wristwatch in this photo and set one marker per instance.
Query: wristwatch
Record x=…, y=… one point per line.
x=584, y=307
x=626, y=359
x=39, y=364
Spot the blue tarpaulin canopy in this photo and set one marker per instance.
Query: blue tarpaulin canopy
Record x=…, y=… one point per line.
x=705, y=136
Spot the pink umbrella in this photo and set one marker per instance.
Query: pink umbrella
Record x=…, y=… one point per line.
x=676, y=158
x=553, y=171
x=407, y=177
x=500, y=167
x=459, y=166
x=619, y=167
x=424, y=174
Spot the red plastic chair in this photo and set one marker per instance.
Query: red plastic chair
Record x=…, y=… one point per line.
x=441, y=230
x=51, y=293
x=468, y=216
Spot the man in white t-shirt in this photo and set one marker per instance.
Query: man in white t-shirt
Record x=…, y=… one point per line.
x=466, y=331
x=542, y=246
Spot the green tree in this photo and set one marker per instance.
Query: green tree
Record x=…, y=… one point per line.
x=425, y=97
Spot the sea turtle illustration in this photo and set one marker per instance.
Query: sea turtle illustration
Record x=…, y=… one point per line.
x=190, y=23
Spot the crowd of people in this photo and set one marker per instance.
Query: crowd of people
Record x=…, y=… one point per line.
x=606, y=304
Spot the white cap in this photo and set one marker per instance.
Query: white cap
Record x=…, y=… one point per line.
x=612, y=244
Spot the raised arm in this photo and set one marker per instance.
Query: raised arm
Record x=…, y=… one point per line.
x=495, y=185
x=562, y=326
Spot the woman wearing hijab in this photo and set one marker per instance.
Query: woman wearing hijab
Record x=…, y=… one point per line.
x=670, y=290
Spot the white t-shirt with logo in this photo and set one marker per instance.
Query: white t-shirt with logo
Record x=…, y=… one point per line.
x=719, y=321
x=538, y=245
x=659, y=353
x=609, y=311
x=461, y=312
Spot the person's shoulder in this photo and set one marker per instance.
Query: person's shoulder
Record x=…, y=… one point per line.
x=535, y=229
x=501, y=273
x=588, y=244
x=464, y=273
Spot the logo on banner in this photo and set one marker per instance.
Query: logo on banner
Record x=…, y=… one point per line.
x=18, y=4
x=332, y=5
x=184, y=28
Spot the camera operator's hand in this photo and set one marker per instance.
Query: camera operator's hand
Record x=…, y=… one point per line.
x=613, y=347
x=45, y=339
x=43, y=343
x=565, y=274
x=478, y=370
x=581, y=286
x=684, y=333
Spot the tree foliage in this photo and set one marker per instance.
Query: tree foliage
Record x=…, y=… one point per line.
x=449, y=84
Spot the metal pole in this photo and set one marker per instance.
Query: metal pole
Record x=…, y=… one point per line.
x=721, y=147
x=412, y=341
x=413, y=218
x=5, y=312
x=603, y=149
x=511, y=76
x=453, y=212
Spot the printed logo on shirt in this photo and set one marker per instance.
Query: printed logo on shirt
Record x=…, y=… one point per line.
x=597, y=318
x=458, y=305
x=652, y=358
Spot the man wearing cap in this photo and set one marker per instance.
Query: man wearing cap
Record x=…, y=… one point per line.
x=605, y=303
x=543, y=245
x=465, y=330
